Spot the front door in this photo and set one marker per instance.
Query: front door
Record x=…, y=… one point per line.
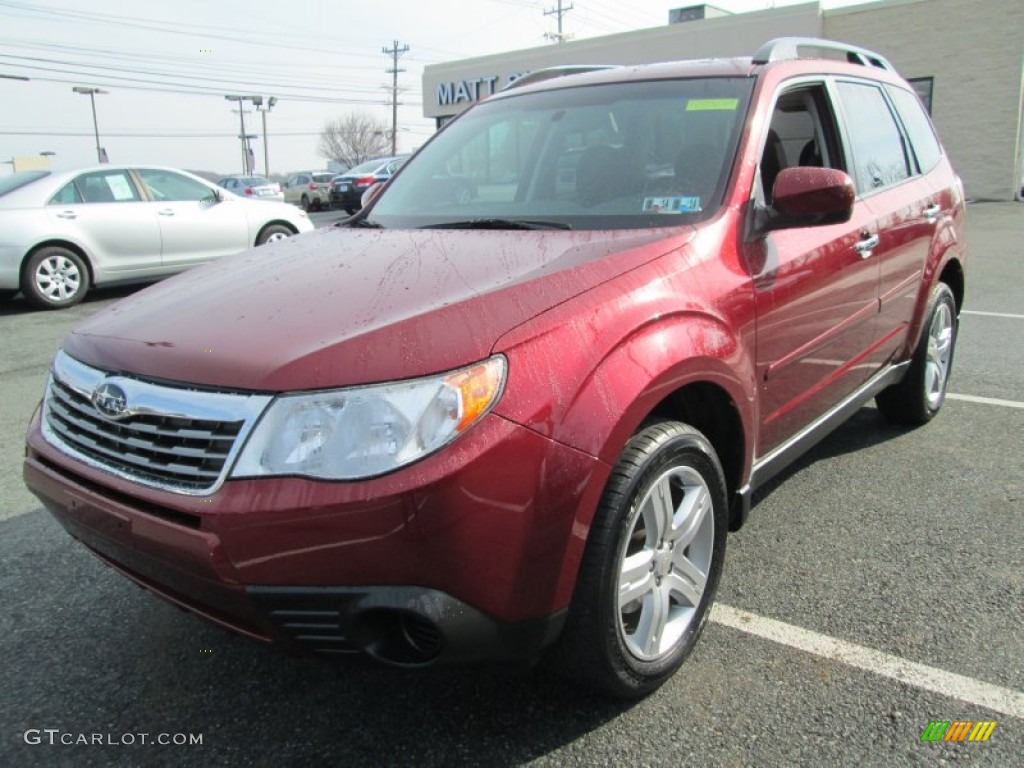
x=816, y=288
x=194, y=226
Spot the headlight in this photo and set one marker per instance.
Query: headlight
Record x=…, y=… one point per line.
x=347, y=434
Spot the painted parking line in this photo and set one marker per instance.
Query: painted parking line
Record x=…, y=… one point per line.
x=991, y=314
x=985, y=400
x=1006, y=701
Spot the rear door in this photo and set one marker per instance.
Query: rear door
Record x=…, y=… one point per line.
x=816, y=293
x=903, y=204
x=105, y=213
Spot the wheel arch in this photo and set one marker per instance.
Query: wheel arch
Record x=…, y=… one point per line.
x=59, y=243
x=664, y=373
x=711, y=409
x=953, y=275
x=276, y=222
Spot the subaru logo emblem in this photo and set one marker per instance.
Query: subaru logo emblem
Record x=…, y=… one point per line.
x=110, y=400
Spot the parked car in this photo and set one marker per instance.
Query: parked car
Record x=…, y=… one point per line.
x=347, y=188
x=310, y=190
x=62, y=233
x=521, y=425
x=256, y=187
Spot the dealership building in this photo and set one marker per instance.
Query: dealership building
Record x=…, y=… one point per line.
x=964, y=57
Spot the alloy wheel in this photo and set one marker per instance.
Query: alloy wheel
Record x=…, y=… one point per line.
x=665, y=563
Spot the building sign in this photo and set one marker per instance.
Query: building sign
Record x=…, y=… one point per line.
x=473, y=89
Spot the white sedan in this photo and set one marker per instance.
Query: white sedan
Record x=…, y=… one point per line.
x=61, y=233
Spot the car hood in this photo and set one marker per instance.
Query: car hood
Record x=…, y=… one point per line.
x=340, y=306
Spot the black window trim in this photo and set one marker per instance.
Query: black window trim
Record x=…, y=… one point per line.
x=839, y=150
x=921, y=171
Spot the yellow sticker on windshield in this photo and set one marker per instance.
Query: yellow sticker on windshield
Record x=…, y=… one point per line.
x=712, y=105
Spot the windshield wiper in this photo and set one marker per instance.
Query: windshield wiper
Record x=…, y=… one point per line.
x=364, y=223
x=499, y=224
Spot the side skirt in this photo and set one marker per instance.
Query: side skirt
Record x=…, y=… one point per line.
x=785, y=454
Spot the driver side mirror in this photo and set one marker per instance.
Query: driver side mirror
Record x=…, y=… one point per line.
x=809, y=197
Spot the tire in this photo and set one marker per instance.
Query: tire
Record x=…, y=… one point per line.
x=628, y=649
x=54, y=278
x=273, y=233
x=304, y=203
x=918, y=397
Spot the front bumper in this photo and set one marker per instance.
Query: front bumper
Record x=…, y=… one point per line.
x=458, y=558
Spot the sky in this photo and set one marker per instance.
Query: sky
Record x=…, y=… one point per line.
x=166, y=67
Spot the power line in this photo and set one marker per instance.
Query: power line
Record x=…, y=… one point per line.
x=108, y=19
x=264, y=84
x=158, y=87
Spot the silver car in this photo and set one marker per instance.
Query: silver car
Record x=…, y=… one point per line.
x=256, y=187
x=61, y=233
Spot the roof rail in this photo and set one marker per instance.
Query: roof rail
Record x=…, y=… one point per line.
x=549, y=73
x=782, y=48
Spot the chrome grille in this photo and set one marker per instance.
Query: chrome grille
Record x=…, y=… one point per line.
x=171, y=438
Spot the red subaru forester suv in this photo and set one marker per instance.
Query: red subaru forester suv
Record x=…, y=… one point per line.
x=512, y=408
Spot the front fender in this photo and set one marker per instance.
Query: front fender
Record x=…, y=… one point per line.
x=595, y=401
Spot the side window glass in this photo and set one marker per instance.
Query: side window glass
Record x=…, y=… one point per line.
x=67, y=195
x=106, y=187
x=167, y=186
x=919, y=128
x=879, y=158
x=802, y=132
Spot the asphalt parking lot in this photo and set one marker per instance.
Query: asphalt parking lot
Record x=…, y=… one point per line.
x=878, y=587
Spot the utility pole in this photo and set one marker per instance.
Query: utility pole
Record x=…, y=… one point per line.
x=394, y=53
x=242, y=136
x=101, y=155
x=560, y=11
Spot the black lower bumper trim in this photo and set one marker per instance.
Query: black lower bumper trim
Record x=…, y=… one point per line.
x=402, y=626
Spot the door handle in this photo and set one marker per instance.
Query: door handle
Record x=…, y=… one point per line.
x=866, y=246
x=67, y=215
x=166, y=212
x=931, y=213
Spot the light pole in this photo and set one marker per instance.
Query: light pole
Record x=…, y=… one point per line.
x=257, y=101
x=101, y=155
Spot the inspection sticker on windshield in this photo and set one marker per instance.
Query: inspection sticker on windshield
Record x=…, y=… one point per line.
x=712, y=105
x=671, y=204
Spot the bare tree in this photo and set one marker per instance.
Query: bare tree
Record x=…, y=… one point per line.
x=353, y=138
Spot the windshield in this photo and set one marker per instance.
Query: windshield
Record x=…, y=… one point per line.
x=19, y=179
x=624, y=155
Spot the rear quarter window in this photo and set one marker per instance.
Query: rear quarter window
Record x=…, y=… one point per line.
x=924, y=143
